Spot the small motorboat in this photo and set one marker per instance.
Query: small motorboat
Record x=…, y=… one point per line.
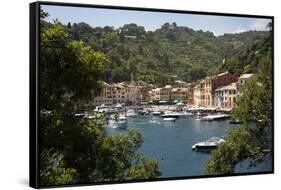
x=170, y=115
x=217, y=117
x=209, y=144
x=82, y=115
x=142, y=112
x=187, y=114
x=156, y=113
x=169, y=119
x=118, y=122
x=131, y=113
x=122, y=123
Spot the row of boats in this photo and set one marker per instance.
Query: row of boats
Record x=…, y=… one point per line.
x=204, y=114
x=207, y=145
x=118, y=120
x=172, y=116
x=117, y=117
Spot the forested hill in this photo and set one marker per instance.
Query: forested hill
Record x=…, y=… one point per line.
x=168, y=53
x=249, y=59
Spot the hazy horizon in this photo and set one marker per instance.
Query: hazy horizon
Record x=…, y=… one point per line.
x=151, y=21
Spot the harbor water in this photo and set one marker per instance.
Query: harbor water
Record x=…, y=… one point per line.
x=171, y=141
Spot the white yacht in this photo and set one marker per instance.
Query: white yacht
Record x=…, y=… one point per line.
x=118, y=122
x=122, y=122
x=156, y=113
x=169, y=119
x=186, y=114
x=215, y=117
x=131, y=113
x=209, y=144
x=171, y=115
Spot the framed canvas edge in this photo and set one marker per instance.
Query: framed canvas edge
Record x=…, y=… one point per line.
x=33, y=94
x=34, y=105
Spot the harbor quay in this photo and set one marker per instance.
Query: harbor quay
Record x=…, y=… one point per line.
x=220, y=91
x=208, y=99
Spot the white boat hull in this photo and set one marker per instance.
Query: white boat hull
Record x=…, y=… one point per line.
x=169, y=119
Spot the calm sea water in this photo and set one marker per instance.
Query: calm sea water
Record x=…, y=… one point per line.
x=170, y=142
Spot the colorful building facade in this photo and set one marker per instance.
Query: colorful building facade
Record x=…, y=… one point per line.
x=118, y=93
x=179, y=94
x=226, y=96
x=206, y=92
x=223, y=79
x=197, y=95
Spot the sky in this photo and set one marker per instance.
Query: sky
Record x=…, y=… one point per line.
x=153, y=20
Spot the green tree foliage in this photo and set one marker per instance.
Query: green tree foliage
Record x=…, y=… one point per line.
x=247, y=60
x=253, y=140
x=235, y=149
x=69, y=71
x=144, y=169
x=54, y=172
x=72, y=149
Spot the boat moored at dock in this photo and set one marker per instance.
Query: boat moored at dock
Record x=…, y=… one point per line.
x=156, y=113
x=170, y=115
x=186, y=114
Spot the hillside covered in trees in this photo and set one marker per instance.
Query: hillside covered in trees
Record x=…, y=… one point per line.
x=170, y=52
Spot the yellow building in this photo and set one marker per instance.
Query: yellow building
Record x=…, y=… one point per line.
x=161, y=94
x=179, y=94
x=207, y=94
x=105, y=96
x=226, y=96
x=133, y=94
x=144, y=89
x=197, y=95
x=165, y=93
x=118, y=93
x=154, y=94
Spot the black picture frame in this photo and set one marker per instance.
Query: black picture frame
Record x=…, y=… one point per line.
x=34, y=104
